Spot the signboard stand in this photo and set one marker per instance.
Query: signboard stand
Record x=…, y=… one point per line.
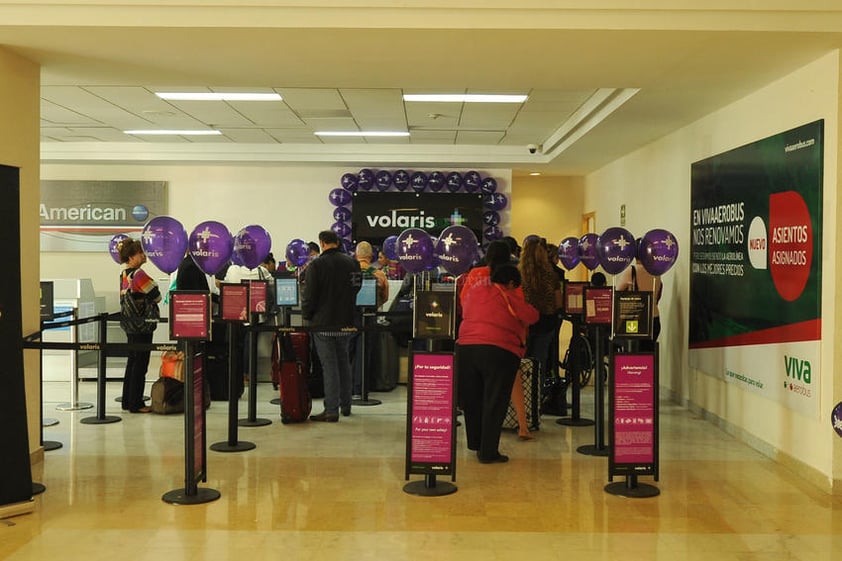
x=633, y=407
x=258, y=292
x=598, y=315
x=74, y=404
x=364, y=400
x=234, y=301
x=574, y=308
x=190, y=322
x=430, y=424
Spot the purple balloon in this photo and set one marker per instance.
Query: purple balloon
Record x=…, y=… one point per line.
x=472, y=181
x=616, y=250
x=488, y=185
x=339, y=197
x=491, y=218
x=113, y=247
x=568, y=252
x=415, y=250
x=457, y=248
x=365, y=179
x=418, y=181
x=401, y=180
x=211, y=246
x=341, y=229
x=495, y=201
x=342, y=214
x=658, y=251
x=453, y=181
x=383, y=180
x=390, y=247
x=492, y=233
x=350, y=182
x=297, y=252
x=164, y=241
x=251, y=246
x=587, y=251
x=436, y=181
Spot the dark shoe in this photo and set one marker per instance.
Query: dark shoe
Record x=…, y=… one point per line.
x=325, y=417
x=346, y=412
x=144, y=409
x=500, y=459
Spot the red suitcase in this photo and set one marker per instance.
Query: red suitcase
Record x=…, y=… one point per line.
x=290, y=363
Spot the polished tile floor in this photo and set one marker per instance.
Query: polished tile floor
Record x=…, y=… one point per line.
x=335, y=492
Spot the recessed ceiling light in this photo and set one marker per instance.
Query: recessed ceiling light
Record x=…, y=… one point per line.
x=535, y=173
x=466, y=98
x=174, y=132
x=361, y=133
x=218, y=96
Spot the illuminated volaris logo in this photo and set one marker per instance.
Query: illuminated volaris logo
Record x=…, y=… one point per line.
x=393, y=220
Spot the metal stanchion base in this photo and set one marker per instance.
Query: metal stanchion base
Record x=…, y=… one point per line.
x=636, y=491
x=241, y=446
x=101, y=421
x=74, y=406
x=180, y=496
x=119, y=398
x=571, y=422
x=38, y=488
x=49, y=422
x=276, y=401
x=254, y=422
x=365, y=402
x=592, y=450
x=424, y=489
x=52, y=445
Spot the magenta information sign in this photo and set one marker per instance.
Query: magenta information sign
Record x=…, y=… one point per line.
x=574, y=292
x=430, y=425
x=258, y=291
x=598, y=305
x=634, y=447
x=234, y=302
x=198, y=419
x=190, y=315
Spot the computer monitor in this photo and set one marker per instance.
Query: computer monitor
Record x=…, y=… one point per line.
x=286, y=291
x=367, y=296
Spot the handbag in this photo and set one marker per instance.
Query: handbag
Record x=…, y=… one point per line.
x=138, y=314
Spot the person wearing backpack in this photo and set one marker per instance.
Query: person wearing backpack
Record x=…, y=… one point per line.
x=139, y=297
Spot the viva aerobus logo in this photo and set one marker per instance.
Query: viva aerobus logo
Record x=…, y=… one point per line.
x=799, y=375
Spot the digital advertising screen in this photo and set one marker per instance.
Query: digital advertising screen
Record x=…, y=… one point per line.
x=286, y=291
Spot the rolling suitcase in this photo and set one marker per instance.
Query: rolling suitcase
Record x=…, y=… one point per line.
x=528, y=377
x=291, y=372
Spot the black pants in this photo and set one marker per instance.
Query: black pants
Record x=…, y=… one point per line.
x=134, y=378
x=486, y=374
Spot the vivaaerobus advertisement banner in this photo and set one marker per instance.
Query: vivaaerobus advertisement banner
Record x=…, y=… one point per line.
x=755, y=281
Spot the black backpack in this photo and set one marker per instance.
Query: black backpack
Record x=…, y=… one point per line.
x=138, y=314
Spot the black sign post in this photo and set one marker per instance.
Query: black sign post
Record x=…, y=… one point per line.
x=578, y=356
x=234, y=308
x=190, y=322
x=258, y=304
x=598, y=315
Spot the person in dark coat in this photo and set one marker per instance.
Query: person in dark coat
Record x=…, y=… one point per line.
x=328, y=304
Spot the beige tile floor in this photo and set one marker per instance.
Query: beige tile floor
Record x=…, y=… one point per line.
x=335, y=492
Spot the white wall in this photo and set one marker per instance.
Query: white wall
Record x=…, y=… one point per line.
x=289, y=201
x=654, y=183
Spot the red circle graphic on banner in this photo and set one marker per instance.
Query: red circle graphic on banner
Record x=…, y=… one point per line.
x=790, y=243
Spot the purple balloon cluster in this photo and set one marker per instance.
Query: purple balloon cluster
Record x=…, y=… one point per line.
x=616, y=248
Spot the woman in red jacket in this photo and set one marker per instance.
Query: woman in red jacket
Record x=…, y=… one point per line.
x=492, y=339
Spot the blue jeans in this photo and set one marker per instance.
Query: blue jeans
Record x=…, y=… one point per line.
x=333, y=351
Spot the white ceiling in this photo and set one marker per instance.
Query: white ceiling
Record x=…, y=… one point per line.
x=647, y=71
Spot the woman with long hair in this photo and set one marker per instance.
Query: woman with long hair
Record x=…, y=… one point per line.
x=542, y=289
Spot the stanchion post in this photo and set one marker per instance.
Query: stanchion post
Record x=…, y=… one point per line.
x=364, y=400
x=575, y=419
x=74, y=404
x=252, y=420
x=598, y=448
x=232, y=445
x=102, y=356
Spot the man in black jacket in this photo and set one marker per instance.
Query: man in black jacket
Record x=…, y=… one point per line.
x=328, y=301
